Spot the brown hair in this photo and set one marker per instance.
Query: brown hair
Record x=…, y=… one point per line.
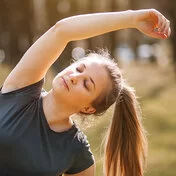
x=126, y=143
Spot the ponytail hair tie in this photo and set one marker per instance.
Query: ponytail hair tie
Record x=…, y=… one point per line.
x=120, y=97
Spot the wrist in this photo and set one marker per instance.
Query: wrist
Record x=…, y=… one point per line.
x=133, y=18
x=130, y=18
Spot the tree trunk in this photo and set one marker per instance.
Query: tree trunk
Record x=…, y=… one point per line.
x=55, y=15
x=16, y=29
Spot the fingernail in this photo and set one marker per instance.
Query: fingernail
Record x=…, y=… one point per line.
x=165, y=35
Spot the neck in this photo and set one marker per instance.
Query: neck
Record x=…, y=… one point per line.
x=57, y=113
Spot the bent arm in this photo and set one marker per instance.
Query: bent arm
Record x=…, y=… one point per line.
x=44, y=52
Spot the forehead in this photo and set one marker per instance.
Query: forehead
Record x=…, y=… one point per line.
x=89, y=60
x=95, y=66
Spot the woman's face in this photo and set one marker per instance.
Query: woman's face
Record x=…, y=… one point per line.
x=81, y=83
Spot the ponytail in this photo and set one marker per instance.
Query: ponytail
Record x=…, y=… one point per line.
x=126, y=144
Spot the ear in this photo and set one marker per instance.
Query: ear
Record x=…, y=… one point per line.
x=88, y=110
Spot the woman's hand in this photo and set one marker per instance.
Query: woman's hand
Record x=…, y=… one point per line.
x=152, y=23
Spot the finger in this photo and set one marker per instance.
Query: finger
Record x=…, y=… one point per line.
x=162, y=27
x=158, y=17
x=161, y=35
x=166, y=28
x=158, y=35
x=169, y=32
x=162, y=24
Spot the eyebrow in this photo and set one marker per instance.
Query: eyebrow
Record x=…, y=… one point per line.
x=90, y=77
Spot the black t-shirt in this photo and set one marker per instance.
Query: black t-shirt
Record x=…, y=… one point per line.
x=29, y=147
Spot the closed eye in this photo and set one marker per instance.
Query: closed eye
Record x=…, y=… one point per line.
x=78, y=70
x=85, y=85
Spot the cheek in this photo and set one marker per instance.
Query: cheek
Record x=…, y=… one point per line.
x=57, y=85
x=82, y=96
x=77, y=100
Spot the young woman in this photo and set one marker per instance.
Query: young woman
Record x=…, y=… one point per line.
x=37, y=135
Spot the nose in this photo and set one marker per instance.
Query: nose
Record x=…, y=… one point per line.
x=73, y=79
x=76, y=77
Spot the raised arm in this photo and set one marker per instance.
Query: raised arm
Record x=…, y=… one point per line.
x=44, y=52
x=148, y=21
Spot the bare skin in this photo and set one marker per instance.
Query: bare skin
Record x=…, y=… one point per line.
x=44, y=52
x=81, y=81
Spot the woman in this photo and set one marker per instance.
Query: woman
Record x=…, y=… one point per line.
x=37, y=135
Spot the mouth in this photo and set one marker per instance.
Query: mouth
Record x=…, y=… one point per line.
x=65, y=84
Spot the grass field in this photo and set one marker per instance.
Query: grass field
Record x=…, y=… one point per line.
x=156, y=89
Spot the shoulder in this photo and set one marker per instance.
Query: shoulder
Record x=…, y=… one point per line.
x=30, y=90
x=80, y=138
x=81, y=146
x=37, y=86
x=25, y=98
x=83, y=157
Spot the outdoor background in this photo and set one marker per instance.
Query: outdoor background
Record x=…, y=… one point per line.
x=148, y=64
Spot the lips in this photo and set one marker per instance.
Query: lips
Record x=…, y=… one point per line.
x=65, y=84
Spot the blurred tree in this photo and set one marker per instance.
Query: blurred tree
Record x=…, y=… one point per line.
x=24, y=21
x=109, y=40
x=16, y=34
x=4, y=31
x=40, y=24
x=114, y=7
x=166, y=8
x=56, y=11
x=172, y=16
x=134, y=35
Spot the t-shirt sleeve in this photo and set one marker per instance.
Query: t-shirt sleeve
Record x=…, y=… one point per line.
x=83, y=160
x=33, y=91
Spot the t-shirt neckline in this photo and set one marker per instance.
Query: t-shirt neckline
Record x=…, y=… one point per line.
x=46, y=122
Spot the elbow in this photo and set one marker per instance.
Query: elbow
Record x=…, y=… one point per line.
x=60, y=29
